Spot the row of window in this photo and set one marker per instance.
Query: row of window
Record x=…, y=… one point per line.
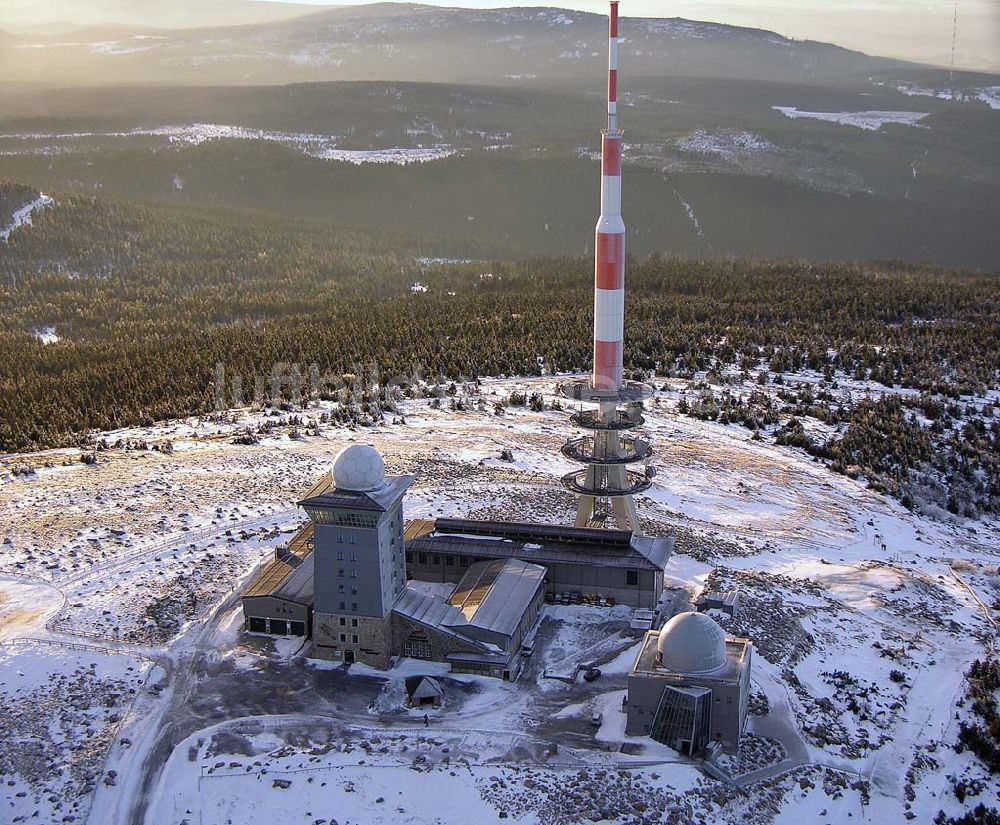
x=631, y=576
x=343, y=622
x=434, y=558
x=343, y=518
x=276, y=627
x=354, y=638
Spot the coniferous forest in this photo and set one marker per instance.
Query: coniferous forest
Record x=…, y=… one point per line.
x=146, y=300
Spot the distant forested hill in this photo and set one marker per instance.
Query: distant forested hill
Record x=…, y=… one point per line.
x=402, y=41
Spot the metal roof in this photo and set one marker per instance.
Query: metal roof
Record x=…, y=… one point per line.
x=495, y=595
x=424, y=608
x=417, y=528
x=324, y=494
x=647, y=662
x=492, y=596
x=289, y=575
x=544, y=544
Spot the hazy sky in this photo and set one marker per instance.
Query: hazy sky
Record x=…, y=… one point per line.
x=913, y=29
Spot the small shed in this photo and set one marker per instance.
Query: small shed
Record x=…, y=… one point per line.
x=422, y=691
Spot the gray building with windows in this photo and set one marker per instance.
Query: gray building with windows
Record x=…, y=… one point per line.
x=689, y=686
x=359, y=568
x=343, y=580
x=609, y=564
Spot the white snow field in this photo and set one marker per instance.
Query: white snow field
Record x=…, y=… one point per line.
x=324, y=147
x=990, y=95
x=870, y=121
x=135, y=697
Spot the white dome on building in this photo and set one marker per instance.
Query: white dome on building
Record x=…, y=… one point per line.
x=692, y=643
x=358, y=467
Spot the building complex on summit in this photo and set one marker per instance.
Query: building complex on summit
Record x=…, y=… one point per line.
x=356, y=581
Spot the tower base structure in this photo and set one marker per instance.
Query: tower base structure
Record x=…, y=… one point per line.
x=606, y=486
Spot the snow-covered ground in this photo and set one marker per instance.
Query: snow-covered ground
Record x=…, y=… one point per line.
x=60, y=708
x=728, y=144
x=46, y=335
x=871, y=121
x=324, y=147
x=143, y=554
x=990, y=95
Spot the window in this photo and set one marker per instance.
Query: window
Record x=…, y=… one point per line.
x=423, y=558
x=343, y=621
x=632, y=577
x=340, y=538
x=409, y=557
x=354, y=622
x=437, y=559
x=257, y=625
x=340, y=588
x=343, y=605
x=340, y=555
x=340, y=572
x=354, y=574
x=463, y=561
x=354, y=638
x=343, y=637
x=449, y=561
x=354, y=606
x=354, y=556
x=354, y=590
x=352, y=542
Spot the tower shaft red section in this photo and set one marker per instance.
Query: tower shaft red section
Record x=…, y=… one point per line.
x=609, y=265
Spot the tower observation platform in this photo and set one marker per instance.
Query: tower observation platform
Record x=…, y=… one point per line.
x=606, y=485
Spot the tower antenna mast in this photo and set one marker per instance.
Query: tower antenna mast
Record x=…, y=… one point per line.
x=606, y=486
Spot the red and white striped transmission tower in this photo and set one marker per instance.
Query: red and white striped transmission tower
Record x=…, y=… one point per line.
x=606, y=486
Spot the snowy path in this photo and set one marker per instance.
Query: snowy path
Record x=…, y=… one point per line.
x=924, y=722
x=22, y=216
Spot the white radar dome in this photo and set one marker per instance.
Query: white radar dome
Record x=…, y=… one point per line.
x=358, y=467
x=692, y=643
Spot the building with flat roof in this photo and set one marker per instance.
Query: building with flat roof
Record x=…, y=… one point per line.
x=690, y=685
x=611, y=564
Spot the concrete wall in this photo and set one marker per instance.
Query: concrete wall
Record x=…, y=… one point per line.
x=439, y=645
x=729, y=703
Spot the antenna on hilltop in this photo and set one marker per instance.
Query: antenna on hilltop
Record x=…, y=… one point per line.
x=954, y=32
